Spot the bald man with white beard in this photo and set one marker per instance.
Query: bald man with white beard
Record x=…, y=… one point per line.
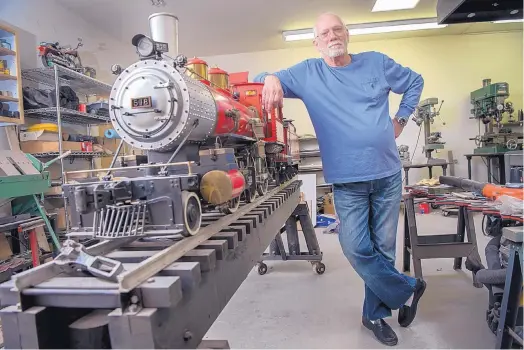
x=346, y=96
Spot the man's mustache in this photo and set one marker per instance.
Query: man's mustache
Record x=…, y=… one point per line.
x=335, y=43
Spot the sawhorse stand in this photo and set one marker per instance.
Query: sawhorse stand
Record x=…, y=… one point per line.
x=277, y=250
x=439, y=245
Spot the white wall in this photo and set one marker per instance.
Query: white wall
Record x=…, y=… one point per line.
x=452, y=67
x=49, y=21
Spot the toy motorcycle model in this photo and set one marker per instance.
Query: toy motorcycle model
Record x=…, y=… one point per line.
x=53, y=53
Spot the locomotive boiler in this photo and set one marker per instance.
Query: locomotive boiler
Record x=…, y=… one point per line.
x=209, y=145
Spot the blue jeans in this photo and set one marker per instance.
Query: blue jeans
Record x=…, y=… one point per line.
x=368, y=213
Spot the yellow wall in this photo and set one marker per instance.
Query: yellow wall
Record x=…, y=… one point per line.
x=452, y=67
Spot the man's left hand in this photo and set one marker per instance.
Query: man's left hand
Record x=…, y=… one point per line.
x=398, y=128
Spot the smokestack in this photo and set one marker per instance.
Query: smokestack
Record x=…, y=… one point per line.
x=164, y=28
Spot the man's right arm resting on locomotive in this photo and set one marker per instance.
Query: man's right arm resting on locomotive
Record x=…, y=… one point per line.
x=287, y=85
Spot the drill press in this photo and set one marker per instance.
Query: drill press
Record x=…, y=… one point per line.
x=403, y=153
x=425, y=113
x=489, y=107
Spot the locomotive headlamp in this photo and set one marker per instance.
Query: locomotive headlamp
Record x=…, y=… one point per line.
x=145, y=46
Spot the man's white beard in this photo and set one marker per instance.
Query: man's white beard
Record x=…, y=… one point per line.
x=333, y=52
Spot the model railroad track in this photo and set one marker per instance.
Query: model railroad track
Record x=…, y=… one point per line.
x=170, y=292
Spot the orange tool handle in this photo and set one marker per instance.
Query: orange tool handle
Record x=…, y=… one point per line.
x=495, y=191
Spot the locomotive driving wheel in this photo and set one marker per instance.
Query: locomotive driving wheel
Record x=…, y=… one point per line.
x=192, y=213
x=232, y=206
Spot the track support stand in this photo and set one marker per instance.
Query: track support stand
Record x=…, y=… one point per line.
x=277, y=250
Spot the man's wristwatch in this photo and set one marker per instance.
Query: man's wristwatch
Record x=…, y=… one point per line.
x=402, y=121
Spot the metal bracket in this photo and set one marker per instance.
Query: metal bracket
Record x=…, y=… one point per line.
x=73, y=255
x=168, y=85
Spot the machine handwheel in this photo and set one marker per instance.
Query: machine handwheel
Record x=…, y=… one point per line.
x=319, y=268
x=232, y=206
x=192, y=213
x=262, y=268
x=263, y=187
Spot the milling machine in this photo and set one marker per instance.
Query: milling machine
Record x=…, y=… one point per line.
x=489, y=108
x=425, y=113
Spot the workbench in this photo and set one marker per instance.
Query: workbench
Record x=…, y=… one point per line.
x=444, y=245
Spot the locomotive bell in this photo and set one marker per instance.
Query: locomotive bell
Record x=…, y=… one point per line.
x=219, y=78
x=197, y=68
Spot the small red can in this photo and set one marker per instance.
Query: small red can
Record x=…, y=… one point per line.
x=423, y=208
x=82, y=108
x=87, y=146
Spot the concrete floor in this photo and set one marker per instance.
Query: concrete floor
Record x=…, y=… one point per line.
x=293, y=307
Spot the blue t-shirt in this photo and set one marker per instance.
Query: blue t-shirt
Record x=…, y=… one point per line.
x=349, y=109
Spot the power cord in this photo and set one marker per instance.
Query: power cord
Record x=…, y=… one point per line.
x=490, y=173
x=414, y=150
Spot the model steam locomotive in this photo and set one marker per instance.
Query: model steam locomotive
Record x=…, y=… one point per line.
x=209, y=145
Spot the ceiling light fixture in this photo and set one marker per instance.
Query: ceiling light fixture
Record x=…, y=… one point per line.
x=371, y=28
x=510, y=21
x=394, y=5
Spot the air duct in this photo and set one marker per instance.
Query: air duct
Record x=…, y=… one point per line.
x=471, y=11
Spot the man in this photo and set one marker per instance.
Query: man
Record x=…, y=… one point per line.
x=346, y=96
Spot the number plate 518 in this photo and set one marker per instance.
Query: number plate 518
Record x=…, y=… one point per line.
x=141, y=102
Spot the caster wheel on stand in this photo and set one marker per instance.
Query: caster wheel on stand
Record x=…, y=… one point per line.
x=262, y=268
x=319, y=268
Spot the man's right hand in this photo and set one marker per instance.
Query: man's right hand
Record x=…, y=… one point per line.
x=272, y=93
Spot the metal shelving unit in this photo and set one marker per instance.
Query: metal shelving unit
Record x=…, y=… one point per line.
x=75, y=154
x=79, y=82
x=54, y=78
x=307, y=154
x=308, y=150
x=68, y=116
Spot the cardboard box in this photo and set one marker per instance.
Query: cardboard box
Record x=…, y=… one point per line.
x=329, y=206
x=57, y=190
x=49, y=146
x=60, y=219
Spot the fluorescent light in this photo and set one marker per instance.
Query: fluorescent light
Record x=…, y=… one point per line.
x=509, y=21
x=393, y=5
x=397, y=28
x=371, y=28
x=295, y=37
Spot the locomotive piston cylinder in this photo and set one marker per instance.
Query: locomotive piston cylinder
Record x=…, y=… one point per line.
x=218, y=186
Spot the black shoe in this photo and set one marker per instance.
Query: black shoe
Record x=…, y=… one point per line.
x=382, y=331
x=406, y=314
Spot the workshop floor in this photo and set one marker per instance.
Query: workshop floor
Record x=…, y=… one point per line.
x=293, y=307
